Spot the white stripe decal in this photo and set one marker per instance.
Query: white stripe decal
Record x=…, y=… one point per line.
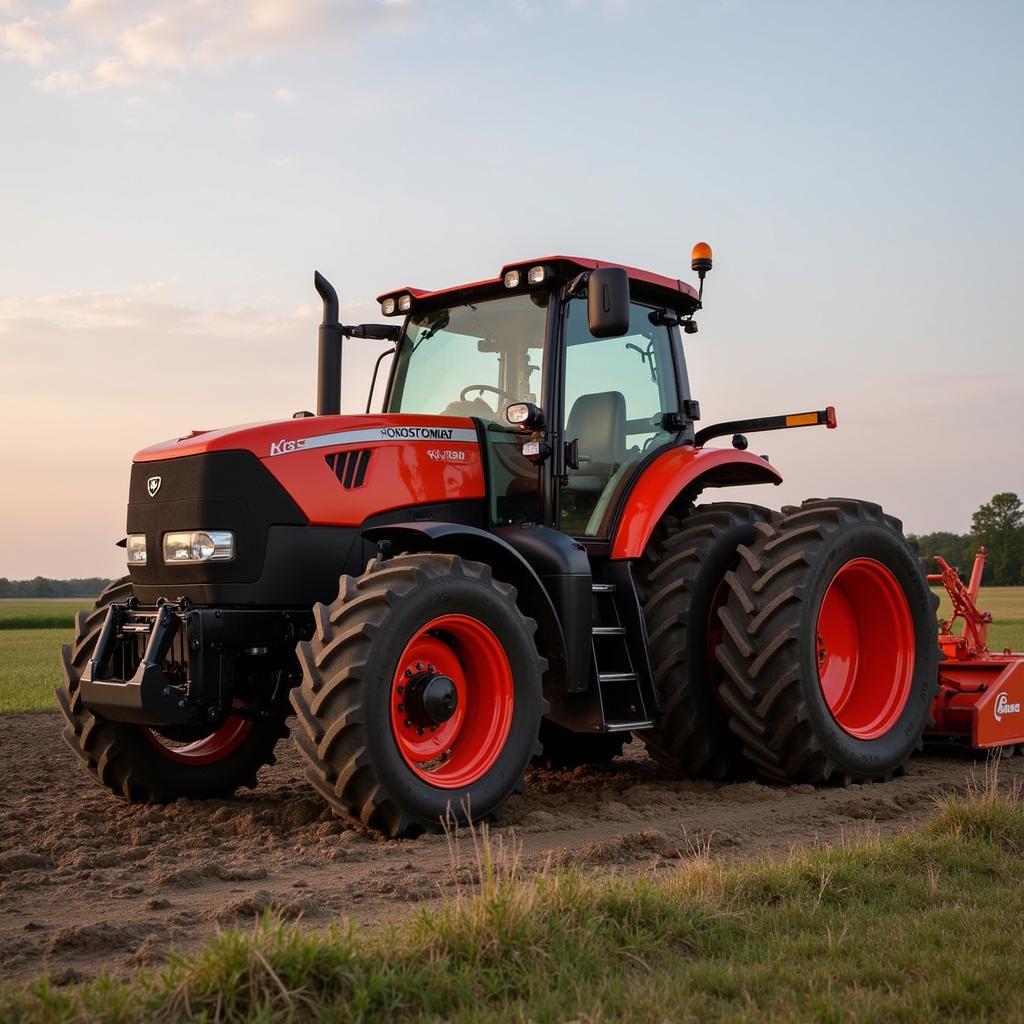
x=375, y=435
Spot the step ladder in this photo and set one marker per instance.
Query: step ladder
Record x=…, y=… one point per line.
x=619, y=685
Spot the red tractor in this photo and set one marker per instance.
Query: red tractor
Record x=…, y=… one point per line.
x=525, y=573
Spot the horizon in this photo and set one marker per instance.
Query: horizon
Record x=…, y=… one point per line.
x=176, y=171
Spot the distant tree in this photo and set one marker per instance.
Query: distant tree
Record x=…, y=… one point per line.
x=956, y=548
x=999, y=526
x=43, y=587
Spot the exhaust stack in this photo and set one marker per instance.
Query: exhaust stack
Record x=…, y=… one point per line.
x=328, y=379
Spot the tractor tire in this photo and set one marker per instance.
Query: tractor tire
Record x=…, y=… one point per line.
x=421, y=700
x=144, y=764
x=563, y=748
x=681, y=583
x=830, y=645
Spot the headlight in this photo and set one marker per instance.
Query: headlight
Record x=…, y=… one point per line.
x=199, y=546
x=136, y=548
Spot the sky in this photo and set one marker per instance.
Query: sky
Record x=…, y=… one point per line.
x=172, y=171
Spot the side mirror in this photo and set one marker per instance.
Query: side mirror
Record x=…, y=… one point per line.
x=525, y=415
x=608, y=302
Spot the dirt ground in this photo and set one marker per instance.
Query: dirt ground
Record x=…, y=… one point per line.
x=90, y=883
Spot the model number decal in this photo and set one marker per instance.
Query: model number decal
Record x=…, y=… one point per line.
x=368, y=435
x=446, y=455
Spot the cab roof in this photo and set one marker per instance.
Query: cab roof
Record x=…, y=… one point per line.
x=674, y=293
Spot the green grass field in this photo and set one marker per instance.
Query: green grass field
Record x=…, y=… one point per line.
x=919, y=927
x=32, y=631
x=59, y=612
x=30, y=668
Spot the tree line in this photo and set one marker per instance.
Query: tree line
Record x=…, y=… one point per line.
x=999, y=527
x=43, y=587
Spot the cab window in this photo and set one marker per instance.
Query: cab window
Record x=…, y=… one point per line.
x=617, y=392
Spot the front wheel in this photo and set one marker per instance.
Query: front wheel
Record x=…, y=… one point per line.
x=420, y=699
x=146, y=764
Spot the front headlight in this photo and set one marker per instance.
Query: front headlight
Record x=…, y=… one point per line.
x=199, y=546
x=136, y=548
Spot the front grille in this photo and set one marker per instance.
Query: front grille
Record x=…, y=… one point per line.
x=350, y=467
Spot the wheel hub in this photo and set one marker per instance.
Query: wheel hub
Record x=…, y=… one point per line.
x=452, y=700
x=431, y=698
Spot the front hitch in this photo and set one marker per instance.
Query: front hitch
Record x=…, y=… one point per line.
x=148, y=697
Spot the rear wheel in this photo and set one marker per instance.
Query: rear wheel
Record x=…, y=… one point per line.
x=421, y=694
x=681, y=582
x=146, y=764
x=830, y=644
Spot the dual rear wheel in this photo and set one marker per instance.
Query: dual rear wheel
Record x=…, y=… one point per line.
x=800, y=645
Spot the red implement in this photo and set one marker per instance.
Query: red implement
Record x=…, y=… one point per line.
x=980, y=692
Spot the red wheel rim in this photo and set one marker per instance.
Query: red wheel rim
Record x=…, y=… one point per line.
x=460, y=750
x=865, y=648
x=224, y=740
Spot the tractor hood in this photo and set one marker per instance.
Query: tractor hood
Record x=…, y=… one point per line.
x=340, y=470
x=283, y=437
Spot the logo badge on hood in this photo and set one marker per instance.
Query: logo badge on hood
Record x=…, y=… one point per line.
x=153, y=485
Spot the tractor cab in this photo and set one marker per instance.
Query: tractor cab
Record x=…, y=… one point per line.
x=604, y=383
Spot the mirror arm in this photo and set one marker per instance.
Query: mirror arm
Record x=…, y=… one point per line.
x=376, y=368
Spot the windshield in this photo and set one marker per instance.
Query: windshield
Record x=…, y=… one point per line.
x=472, y=360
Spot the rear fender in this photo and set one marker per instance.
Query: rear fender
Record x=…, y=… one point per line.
x=682, y=471
x=508, y=565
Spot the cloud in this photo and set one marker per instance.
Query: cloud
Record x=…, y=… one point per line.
x=285, y=95
x=26, y=40
x=87, y=45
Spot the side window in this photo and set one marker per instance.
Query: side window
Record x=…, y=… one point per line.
x=617, y=391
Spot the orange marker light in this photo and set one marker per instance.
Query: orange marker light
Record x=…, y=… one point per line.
x=802, y=419
x=700, y=258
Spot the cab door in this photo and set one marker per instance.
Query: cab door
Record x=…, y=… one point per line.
x=619, y=402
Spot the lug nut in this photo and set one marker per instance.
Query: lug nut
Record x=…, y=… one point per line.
x=419, y=666
x=401, y=707
x=407, y=723
x=401, y=689
x=419, y=732
x=408, y=673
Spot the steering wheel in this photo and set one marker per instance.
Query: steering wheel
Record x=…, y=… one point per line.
x=482, y=387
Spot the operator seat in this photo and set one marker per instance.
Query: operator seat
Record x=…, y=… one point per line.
x=599, y=422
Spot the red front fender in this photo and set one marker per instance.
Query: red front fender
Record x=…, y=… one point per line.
x=672, y=472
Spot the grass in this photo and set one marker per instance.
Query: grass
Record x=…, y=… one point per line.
x=30, y=668
x=913, y=928
x=31, y=632
x=39, y=613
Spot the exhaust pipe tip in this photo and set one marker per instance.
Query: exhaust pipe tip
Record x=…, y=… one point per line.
x=328, y=295
x=328, y=378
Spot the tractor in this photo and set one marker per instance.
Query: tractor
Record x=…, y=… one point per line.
x=509, y=564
